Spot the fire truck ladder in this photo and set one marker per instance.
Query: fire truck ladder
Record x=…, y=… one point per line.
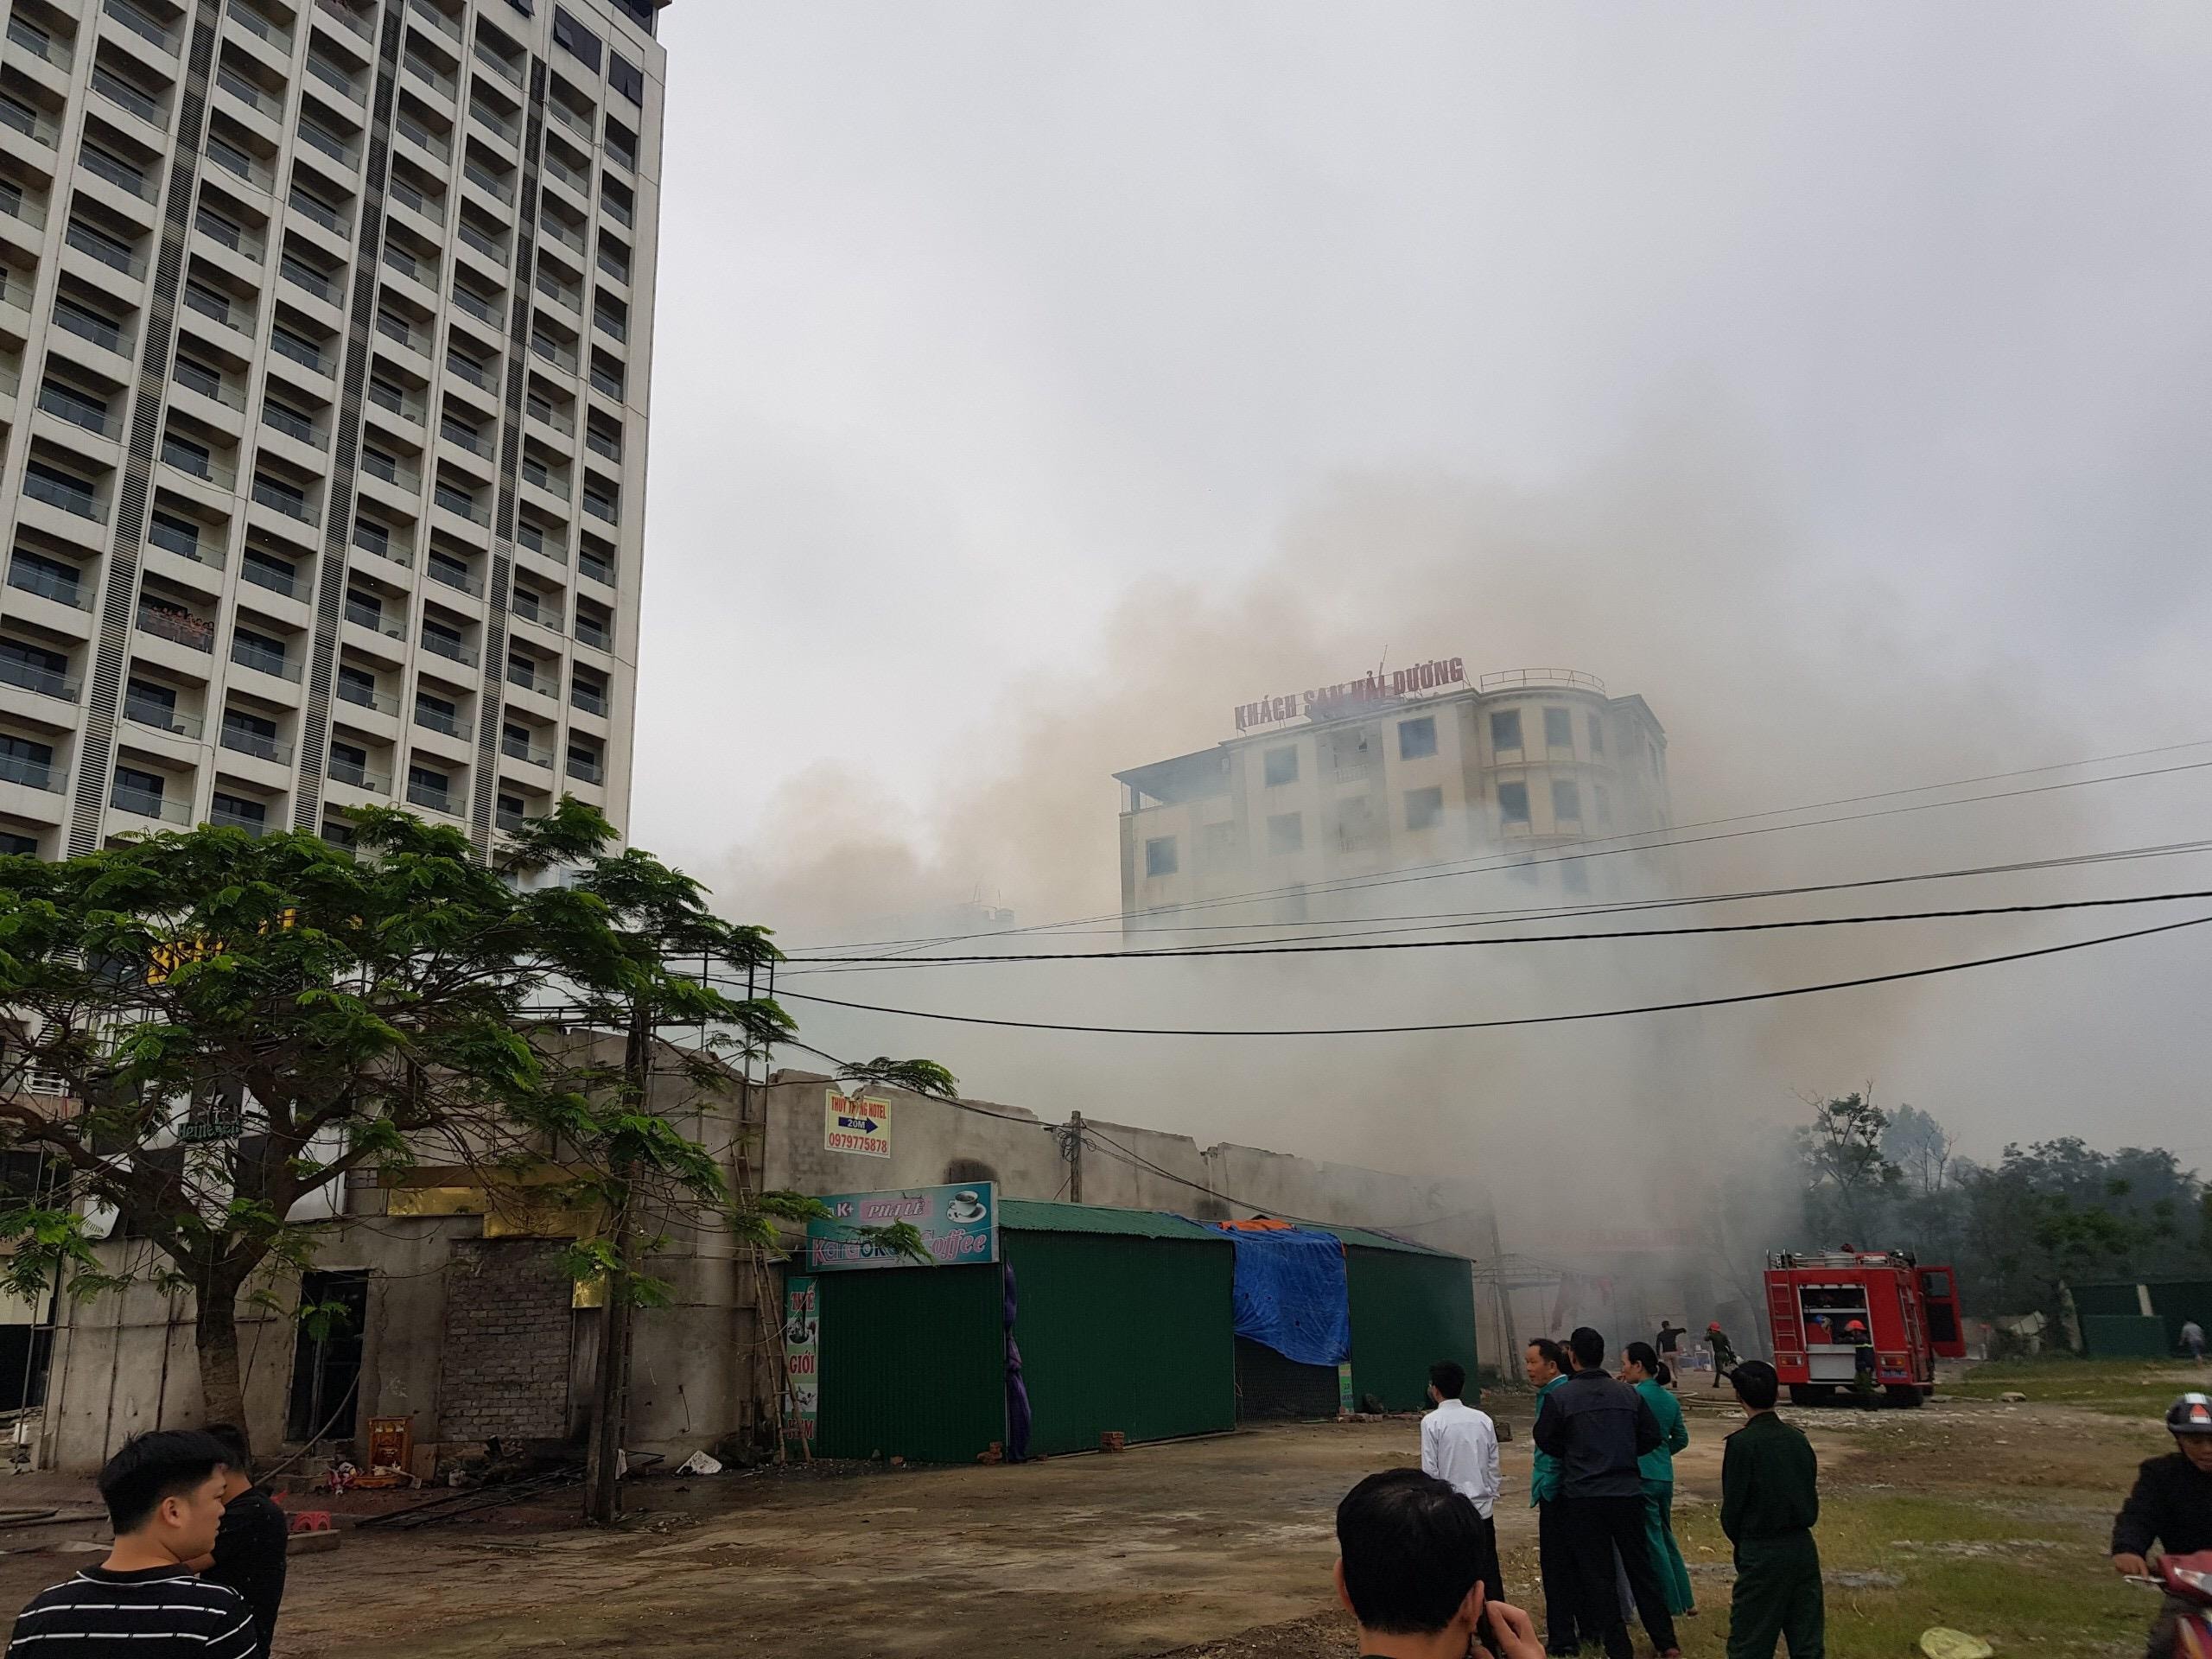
x=1782, y=1316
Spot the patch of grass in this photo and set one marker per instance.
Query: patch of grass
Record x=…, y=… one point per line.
x=2019, y=1582
x=2120, y=1387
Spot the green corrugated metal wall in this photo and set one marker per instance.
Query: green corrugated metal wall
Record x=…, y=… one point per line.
x=1407, y=1312
x=2175, y=1301
x=2124, y=1336
x=1123, y=1333
x=2114, y=1300
x=913, y=1363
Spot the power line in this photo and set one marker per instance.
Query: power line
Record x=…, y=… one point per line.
x=1357, y=927
x=1138, y=1160
x=1334, y=948
x=1602, y=847
x=1492, y=1025
x=964, y=1105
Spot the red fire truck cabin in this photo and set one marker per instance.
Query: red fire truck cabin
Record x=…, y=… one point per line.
x=1908, y=1316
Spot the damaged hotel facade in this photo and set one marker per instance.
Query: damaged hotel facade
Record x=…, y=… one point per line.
x=1392, y=771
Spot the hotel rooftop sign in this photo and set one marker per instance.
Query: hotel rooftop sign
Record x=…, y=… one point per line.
x=1326, y=701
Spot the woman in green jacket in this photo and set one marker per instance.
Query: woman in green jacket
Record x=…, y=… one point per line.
x=1649, y=1377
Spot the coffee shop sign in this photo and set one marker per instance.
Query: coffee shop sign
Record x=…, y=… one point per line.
x=1324, y=701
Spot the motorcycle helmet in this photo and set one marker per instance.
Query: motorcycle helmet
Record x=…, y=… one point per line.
x=2190, y=1414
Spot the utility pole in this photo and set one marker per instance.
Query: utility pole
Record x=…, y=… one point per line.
x=603, y=1491
x=1510, y=1362
x=1075, y=1157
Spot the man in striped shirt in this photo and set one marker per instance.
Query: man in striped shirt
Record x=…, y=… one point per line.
x=164, y=1494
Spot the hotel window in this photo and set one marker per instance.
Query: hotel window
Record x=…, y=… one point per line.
x=1513, y=803
x=1424, y=808
x=1416, y=738
x=1160, y=856
x=1287, y=833
x=1559, y=729
x=1281, y=767
x=1505, y=730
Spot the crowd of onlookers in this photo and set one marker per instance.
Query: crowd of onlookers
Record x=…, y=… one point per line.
x=197, y=1567
x=1603, y=1486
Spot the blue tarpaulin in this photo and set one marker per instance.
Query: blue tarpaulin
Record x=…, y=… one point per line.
x=1290, y=1294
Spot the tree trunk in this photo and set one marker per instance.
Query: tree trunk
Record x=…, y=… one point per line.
x=215, y=1335
x=603, y=1494
x=603, y=1489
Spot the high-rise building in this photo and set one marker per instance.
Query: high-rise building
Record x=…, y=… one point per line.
x=325, y=330
x=1417, y=769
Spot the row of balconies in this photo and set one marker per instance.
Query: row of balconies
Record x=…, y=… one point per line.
x=270, y=634
x=68, y=484
x=205, y=442
x=135, y=48
x=227, y=280
x=254, y=767
x=201, y=447
x=163, y=789
x=111, y=227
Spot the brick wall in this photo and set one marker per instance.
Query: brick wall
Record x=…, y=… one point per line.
x=504, y=1368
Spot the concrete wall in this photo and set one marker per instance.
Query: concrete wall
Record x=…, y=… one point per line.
x=125, y=1363
x=705, y=1367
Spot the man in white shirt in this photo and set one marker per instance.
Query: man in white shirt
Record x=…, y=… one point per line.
x=1458, y=1446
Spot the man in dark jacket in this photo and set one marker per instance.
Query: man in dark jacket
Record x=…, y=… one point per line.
x=250, y=1553
x=1597, y=1427
x=1770, y=1500
x=2170, y=1506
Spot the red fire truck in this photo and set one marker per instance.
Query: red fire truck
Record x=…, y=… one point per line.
x=1861, y=1324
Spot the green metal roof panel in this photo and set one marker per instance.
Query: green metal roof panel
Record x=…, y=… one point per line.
x=1359, y=1238
x=1031, y=1215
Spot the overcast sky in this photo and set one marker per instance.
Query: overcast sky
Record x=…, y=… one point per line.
x=983, y=326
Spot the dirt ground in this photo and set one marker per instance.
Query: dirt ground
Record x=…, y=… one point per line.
x=1214, y=1548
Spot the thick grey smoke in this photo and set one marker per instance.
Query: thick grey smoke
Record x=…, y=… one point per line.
x=1781, y=681
x=1034, y=384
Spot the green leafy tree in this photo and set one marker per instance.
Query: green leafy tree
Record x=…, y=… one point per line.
x=2060, y=1210
x=1850, y=1182
x=242, y=1022
x=638, y=952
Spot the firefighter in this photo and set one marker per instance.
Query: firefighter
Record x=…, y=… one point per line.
x=1724, y=1353
x=1770, y=1500
x=1862, y=1353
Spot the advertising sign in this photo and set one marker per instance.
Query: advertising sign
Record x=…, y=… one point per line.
x=959, y=1225
x=861, y=1126
x=802, y=1356
x=1324, y=702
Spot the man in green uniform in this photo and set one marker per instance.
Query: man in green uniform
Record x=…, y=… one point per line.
x=1547, y=1363
x=1770, y=1500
